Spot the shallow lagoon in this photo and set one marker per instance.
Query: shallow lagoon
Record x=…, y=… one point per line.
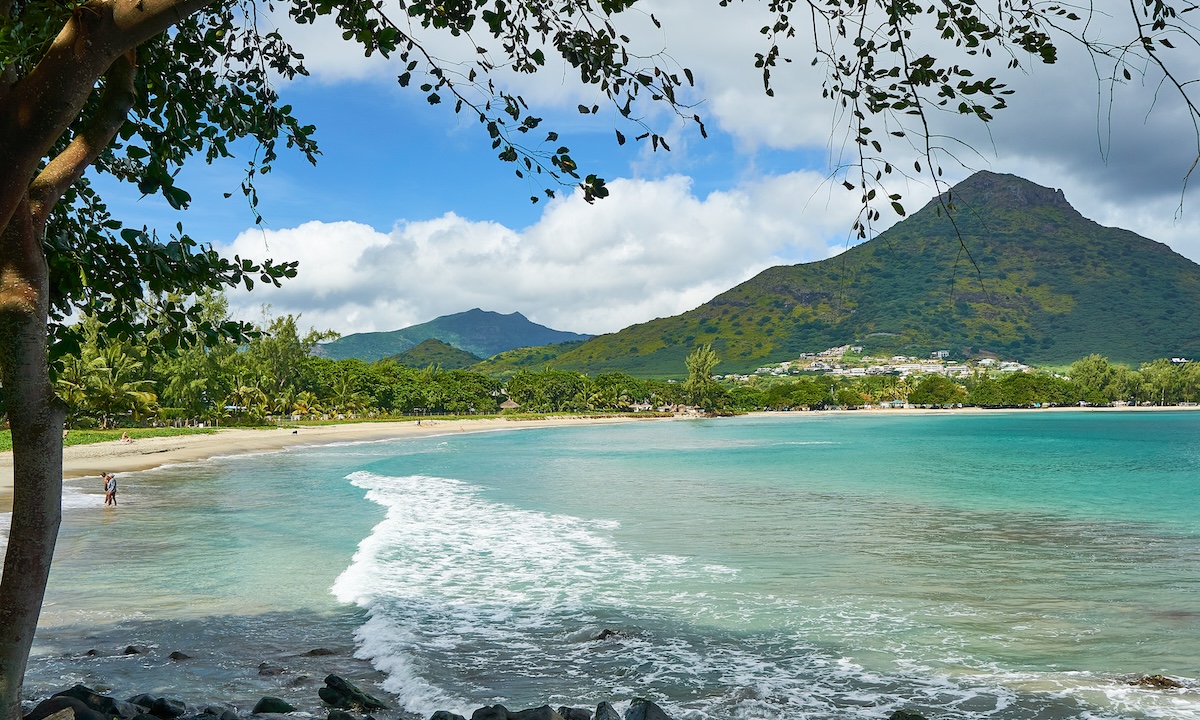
x=1004, y=565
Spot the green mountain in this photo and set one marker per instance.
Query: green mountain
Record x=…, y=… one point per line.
x=1019, y=273
x=479, y=332
x=435, y=352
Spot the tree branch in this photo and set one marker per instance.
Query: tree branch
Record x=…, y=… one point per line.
x=40, y=107
x=65, y=169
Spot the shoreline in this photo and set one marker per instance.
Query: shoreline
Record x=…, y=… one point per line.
x=150, y=453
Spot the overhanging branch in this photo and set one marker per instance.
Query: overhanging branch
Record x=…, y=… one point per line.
x=40, y=107
x=65, y=169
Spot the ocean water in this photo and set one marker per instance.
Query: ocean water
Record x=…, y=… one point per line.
x=1001, y=565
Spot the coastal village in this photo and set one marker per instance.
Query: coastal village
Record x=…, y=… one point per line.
x=848, y=361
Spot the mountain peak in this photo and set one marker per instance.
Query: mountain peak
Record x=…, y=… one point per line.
x=1002, y=191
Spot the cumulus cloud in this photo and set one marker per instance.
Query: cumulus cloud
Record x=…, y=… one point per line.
x=651, y=249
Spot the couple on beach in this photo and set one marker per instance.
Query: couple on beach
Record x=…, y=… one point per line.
x=110, y=488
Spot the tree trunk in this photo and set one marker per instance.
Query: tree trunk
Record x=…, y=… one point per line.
x=36, y=419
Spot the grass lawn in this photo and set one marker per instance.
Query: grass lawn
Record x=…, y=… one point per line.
x=87, y=437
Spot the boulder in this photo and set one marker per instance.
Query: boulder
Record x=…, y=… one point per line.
x=64, y=714
x=320, y=652
x=605, y=711
x=144, y=716
x=267, y=670
x=341, y=715
x=544, y=712
x=570, y=713
x=106, y=705
x=134, y=650
x=271, y=704
x=220, y=713
x=906, y=715
x=168, y=708
x=177, y=656
x=144, y=700
x=341, y=693
x=1161, y=682
x=490, y=712
x=607, y=633
x=446, y=715
x=65, y=706
x=643, y=709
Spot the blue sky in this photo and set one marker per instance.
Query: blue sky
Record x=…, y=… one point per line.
x=408, y=215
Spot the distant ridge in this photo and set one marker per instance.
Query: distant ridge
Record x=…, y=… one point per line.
x=479, y=332
x=1042, y=284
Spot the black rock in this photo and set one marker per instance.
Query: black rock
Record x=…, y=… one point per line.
x=168, y=708
x=144, y=700
x=341, y=693
x=607, y=633
x=270, y=704
x=108, y=706
x=490, y=712
x=570, y=713
x=144, y=716
x=220, y=713
x=605, y=711
x=643, y=709
x=544, y=712
x=320, y=652
x=134, y=650
x=906, y=715
x=269, y=670
x=92, y=653
x=333, y=698
x=177, y=656
x=341, y=715
x=445, y=715
x=61, y=703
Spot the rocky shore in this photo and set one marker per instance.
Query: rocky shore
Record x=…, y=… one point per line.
x=342, y=699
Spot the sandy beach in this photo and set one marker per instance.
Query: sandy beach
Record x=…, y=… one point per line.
x=148, y=453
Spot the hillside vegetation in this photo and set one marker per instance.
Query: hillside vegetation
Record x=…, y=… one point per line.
x=1031, y=280
x=437, y=353
x=479, y=332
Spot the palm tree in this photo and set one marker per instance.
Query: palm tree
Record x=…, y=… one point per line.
x=307, y=404
x=700, y=386
x=119, y=386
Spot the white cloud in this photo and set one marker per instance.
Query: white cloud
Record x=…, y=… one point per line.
x=651, y=249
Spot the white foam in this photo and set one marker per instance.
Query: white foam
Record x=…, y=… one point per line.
x=455, y=584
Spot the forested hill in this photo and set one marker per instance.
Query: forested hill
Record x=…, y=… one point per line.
x=479, y=332
x=437, y=353
x=1031, y=280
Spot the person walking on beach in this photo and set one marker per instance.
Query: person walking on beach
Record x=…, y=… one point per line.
x=110, y=489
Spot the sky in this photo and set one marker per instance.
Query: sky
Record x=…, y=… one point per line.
x=408, y=214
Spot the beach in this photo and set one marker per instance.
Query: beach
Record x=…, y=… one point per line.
x=148, y=453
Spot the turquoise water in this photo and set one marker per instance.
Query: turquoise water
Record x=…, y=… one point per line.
x=1006, y=565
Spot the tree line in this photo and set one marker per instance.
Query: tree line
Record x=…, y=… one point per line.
x=113, y=382
x=124, y=382
x=1093, y=380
